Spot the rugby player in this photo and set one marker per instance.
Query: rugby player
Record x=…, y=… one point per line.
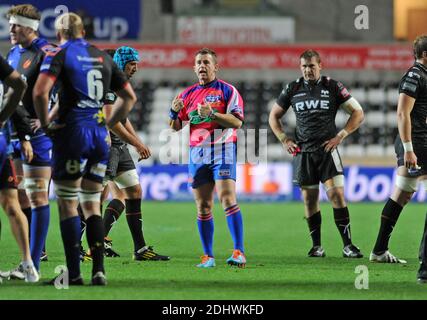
x=315, y=100
x=80, y=137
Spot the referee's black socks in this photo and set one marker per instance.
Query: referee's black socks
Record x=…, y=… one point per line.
x=389, y=217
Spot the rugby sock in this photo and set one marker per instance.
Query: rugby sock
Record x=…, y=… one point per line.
x=39, y=226
x=235, y=225
x=112, y=213
x=82, y=222
x=70, y=231
x=134, y=220
x=314, y=225
x=389, y=217
x=342, y=221
x=206, y=232
x=423, y=246
x=95, y=240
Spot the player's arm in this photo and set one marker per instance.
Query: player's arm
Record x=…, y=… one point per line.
x=127, y=133
x=175, y=122
x=17, y=88
x=41, y=92
x=354, y=109
x=404, y=108
x=226, y=120
x=124, y=106
x=276, y=113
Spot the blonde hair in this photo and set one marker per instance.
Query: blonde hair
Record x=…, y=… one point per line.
x=24, y=10
x=69, y=25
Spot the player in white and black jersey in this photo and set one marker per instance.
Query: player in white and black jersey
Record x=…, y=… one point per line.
x=315, y=99
x=411, y=152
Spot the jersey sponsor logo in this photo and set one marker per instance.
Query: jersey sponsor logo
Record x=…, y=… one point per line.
x=324, y=93
x=302, y=94
x=409, y=87
x=311, y=105
x=413, y=74
x=90, y=59
x=27, y=63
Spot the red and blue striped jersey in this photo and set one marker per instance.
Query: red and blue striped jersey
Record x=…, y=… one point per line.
x=223, y=98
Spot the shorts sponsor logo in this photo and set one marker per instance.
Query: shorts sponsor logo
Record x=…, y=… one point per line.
x=224, y=172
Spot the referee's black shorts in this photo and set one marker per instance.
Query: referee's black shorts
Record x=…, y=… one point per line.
x=310, y=168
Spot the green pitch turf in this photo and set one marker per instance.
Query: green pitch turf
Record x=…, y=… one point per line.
x=276, y=240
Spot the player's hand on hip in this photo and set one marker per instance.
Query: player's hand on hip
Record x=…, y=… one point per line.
x=27, y=150
x=177, y=104
x=332, y=144
x=410, y=160
x=143, y=151
x=35, y=124
x=204, y=110
x=291, y=147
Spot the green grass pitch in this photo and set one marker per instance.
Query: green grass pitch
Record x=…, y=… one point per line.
x=277, y=242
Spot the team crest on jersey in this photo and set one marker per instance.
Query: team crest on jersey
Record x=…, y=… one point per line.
x=212, y=98
x=27, y=63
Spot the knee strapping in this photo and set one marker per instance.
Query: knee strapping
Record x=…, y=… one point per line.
x=406, y=184
x=89, y=196
x=127, y=179
x=66, y=193
x=36, y=185
x=337, y=182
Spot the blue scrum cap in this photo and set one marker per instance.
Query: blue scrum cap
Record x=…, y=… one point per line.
x=124, y=55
